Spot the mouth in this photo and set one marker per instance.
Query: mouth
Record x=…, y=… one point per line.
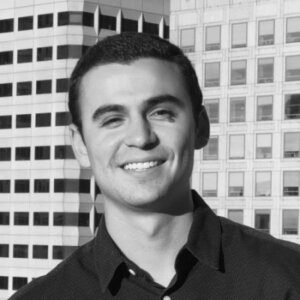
x=142, y=166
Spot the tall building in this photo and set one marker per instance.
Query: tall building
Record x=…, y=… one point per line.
x=247, y=57
x=47, y=202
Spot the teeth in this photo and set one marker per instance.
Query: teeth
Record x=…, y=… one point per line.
x=141, y=166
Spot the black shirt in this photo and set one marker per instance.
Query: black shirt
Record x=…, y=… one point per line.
x=221, y=260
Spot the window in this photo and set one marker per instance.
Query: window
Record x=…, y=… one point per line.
x=239, y=35
x=64, y=152
x=23, y=153
x=151, y=28
x=6, y=25
x=187, y=39
x=238, y=72
x=238, y=109
x=20, y=251
x=212, y=74
x=6, y=57
x=43, y=120
x=45, y=20
x=4, y=218
x=71, y=185
x=262, y=220
x=292, y=68
x=40, y=219
x=42, y=152
x=264, y=108
x=291, y=183
x=236, y=215
x=107, y=22
x=18, y=282
x=290, y=221
x=236, y=146
x=5, y=89
x=5, y=122
x=22, y=186
x=24, y=55
x=262, y=184
x=41, y=185
x=40, y=251
x=210, y=151
x=266, y=32
x=62, y=85
x=5, y=154
x=236, y=184
x=24, y=88
x=4, y=186
x=4, y=250
x=75, y=18
x=129, y=25
x=71, y=219
x=3, y=283
x=62, y=252
x=166, y=31
x=210, y=184
x=213, y=38
x=291, y=144
x=70, y=51
x=62, y=118
x=23, y=121
x=21, y=218
x=43, y=86
x=264, y=145
x=25, y=23
x=212, y=108
x=292, y=106
x=44, y=53
x=265, y=70
x=293, y=30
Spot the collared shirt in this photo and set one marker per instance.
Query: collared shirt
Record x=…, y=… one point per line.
x=221, y=260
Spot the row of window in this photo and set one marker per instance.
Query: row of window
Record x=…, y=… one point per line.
x=17, y=282
x=239, y=35
x=263, y=184
x=264, y=108
x=65, y=185
x=264, y=145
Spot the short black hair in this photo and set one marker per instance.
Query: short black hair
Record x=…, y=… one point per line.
x=125, y=48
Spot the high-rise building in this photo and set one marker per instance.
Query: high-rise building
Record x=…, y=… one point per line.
x=47, y=202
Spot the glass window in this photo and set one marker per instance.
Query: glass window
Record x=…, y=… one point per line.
x=62, y=118
x=264, y=145
x=5, y=154
x=292, y=68
x=293, y=30
x=5, y=122
x=69, y=51
x=166, y=32
x=209, y=184
x=43, y=86
x=265, y=70
x=238, y=72
x=150, y=28
x=6, y=25
x=41, y=185
x=5, y=89
x=71, y=219
x=236, y=184
x=67, y=185
x=20, y=251
x=24, y=88
x=264, y=108
x=62, y=252
x=6, y=57
x=239, y=35
x=40, y=251
x=24, y=55
x=4, y=250
x=236, y=146
x=290, y=221
x=64, y=152
x=25, y=23
x=292, y=106
x=42, y=152
x=212, y=74
x=262, y=184
x=22, y=153
x=18, y=282
x=262, y=220
x=22, y=185
x=212, y=108
x=44, y=53
x=291, y=183
x=62, y=85
x=236, y=215
x=210, y=151
x=75, y=18
x=213, y=38
x=45, y=20
x=187, y=39
x=4, y=186
x=3, y=283
x=129, y=25
x=266, y=32
x=21, y=218
x=4, y=218
x=107, y=22
x=43, y=120
x=40, y=218
x=291, y=145
x=23, y=121
x=238, y=109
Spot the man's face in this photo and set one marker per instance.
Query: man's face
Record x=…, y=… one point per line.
x=139, y=132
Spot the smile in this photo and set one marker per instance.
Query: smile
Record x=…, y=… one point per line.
x=140, y=166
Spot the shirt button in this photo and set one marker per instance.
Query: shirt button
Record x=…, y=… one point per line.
x=132, y=272
x=166, y=298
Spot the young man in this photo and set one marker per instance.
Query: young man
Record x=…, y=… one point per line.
x=137, y=118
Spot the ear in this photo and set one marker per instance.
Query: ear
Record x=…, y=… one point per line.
x=202, y=129
x=79, y=147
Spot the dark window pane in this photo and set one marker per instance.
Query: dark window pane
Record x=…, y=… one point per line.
x=5, y=122
x=71, y=185
x=3, y=283
x=129, y=25
x=41, y=185
x=25, y=23
x=23, y=121
x=21, y=218
x=262, y=221
x=42, y=152
x=40, y=251
x=62, y=118
x=71, y=219
x=20, y=251
x=75, y=18
x=43, y=86
x=45, y=20
x=107, y=22
x=23, y=153
x=88, y=19
x=70, y=51
x=5, y=154
x=64, y=152
x=22, y=186
x=63, y=18
x=43, y=120
x=41, y=219
x=6, y=57
x=166, y=32
x=292, y=106
x=5, y=89
x=24, y=55
x=6, y=25
x=24, y=88
x=61, y=252
x=44, y=53
x=4, y=250
x=4, y=186
x=62, y=85
x=4, y=218
x=150, y=28
x=18, y=282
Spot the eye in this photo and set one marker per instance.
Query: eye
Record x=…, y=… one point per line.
x=111, y=122
x=163, y=114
